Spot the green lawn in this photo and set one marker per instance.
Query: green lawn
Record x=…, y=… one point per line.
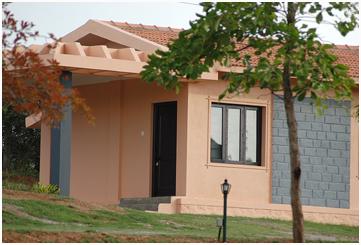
x=30, y=216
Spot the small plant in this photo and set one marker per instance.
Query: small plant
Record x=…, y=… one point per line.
x=15, y=186
x=49, y=189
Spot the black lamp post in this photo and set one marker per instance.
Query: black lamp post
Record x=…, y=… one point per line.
x=225, y=187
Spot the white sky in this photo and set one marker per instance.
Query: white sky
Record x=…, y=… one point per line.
x=62, y=18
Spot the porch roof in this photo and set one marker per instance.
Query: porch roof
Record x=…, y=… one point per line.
x=100, y=60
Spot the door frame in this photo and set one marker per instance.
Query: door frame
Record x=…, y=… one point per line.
x=154, y=121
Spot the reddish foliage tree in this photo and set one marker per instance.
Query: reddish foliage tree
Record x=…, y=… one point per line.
x=30, y=84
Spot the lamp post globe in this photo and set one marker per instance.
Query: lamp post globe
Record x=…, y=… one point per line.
x=225, y=187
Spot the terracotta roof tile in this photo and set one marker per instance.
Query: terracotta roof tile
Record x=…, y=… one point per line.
x=160, y=35
x=347, y=55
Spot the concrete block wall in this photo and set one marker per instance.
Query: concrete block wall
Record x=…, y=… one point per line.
x=325, y=154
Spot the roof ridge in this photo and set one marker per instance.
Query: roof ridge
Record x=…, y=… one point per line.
x=145, y=27
x=173, y=29
x=346, y=46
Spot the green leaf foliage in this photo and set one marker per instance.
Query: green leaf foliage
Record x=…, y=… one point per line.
x=21, y=145
x=49, y=189
x=230, y=31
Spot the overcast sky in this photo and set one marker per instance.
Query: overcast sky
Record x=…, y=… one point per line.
x=62, y=18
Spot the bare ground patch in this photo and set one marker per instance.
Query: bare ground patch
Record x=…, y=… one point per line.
x=41, y=236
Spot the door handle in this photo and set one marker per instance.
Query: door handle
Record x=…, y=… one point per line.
x=157, y=163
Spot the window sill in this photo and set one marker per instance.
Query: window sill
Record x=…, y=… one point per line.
x=234, y=165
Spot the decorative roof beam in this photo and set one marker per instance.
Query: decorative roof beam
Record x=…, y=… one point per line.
x=125, y=53
x=33, y=121
x=97, y=51
x=73, y=48
x=113, y=34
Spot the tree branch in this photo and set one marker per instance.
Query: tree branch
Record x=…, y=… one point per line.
x=241, y=49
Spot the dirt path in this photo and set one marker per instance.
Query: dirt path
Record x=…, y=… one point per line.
x=18, y=212
x=21, y=213
x=80, y=205
x=41, y=236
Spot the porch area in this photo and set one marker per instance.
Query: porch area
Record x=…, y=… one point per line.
x=120, y=155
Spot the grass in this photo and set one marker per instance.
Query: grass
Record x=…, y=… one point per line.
x=111, y=225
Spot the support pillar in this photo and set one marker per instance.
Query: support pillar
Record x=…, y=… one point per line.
x=54, y=155
x=61, y=144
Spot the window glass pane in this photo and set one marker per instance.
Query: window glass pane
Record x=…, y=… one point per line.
x=216, y=136
x=251, y=135
x=233, y=134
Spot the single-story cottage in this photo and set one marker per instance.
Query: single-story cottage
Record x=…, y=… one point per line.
x=170, y=152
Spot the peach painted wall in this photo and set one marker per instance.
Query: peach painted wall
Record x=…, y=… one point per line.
x=95, y=152
x=112, y=158
x=136, y=142
x=249, y=183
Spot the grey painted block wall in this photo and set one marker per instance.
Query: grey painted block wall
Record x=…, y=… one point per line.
x=325, y=154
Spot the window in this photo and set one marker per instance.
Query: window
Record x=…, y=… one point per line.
x=236, y=134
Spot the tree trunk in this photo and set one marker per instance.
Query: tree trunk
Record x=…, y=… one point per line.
x=297, y=214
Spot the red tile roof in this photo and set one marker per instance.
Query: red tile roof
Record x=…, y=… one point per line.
x=347, y=55
x=160, y=35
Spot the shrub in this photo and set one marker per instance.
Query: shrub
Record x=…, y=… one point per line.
x=18, y=178
x=16, y=186
x=49, y=189
x=21, y=145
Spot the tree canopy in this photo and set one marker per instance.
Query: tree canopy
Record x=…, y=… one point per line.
x=238, y=31
x=21, y=145
x=278, y=50
x=30, y=84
